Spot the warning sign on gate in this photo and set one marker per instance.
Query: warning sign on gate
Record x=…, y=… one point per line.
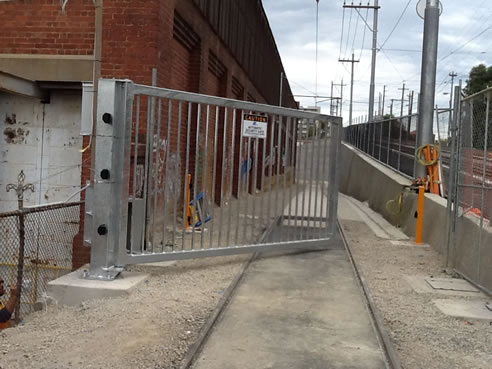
x=254, y=126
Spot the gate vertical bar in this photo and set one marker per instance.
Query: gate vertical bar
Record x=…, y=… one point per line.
x=205, y=170
x=222, y=172
x=255, y=178
x=239, y=166
x=270, y=165
x=178, y=151
x=186, y=186
x=304, y=169
x=214, y=173
x=245, y=227
x=135, y=155
x=231, y=174
x=284, y=164
x=155, y=172
x=311, y=175
x=323, y=178
x=316, y=179
x=195, y=177
x=292, y=168
x=279, y=158
x=333, y=181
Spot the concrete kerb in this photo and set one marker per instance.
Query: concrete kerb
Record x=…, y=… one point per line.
x=393, y=360
x=365, y=179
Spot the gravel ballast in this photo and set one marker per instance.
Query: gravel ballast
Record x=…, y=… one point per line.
x=424, y=337
x=151, y=328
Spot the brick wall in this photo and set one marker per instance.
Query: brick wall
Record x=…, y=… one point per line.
x=172, y=36
x=39, y=27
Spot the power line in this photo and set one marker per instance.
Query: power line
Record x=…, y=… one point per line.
x=355, y=33
x=466, y=43
x=397, y=23
x=348, y=34
x=341, y=37
x=363, y=39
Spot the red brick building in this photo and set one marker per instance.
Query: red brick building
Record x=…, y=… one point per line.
x=215, y=47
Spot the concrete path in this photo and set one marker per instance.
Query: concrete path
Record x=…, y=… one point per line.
x=299, y=310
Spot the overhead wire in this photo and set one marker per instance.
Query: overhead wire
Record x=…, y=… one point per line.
x=348, y=35
x=466, y=43
x=363, y=39
x=355, y=33
x=341, y=36
x=396, y=24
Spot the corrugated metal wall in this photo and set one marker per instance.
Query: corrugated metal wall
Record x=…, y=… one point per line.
x=243, y=27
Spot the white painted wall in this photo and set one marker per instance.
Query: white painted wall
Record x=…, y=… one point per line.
x=44, y=141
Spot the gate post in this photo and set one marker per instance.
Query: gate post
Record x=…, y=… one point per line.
x=107, y=198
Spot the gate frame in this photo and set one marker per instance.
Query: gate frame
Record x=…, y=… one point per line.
x=106, y=220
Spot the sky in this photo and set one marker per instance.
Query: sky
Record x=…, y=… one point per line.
x=465, y=40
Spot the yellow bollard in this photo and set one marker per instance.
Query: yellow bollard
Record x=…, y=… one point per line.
x=420, y=216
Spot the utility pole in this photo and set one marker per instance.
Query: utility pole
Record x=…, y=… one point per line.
x=316, y=78
x=379, y=103
x=410, y=102
x=428, y=79
x=410, y=108
x=403, y=89
x=384, y=97
x=452, y=75
x=391, y=108
x=331, y=99
x=374, y=51
x=353, y=61
x=341, y=85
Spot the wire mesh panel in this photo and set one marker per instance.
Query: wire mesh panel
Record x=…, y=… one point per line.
x=204, y=176
x=474, y=187
x=391, y=141
x=47, y=242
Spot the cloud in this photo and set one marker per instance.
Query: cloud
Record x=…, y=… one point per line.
x=293, y=25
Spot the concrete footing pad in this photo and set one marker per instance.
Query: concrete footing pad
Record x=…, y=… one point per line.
x=475, y=309
x=442, y=286
x=72, y=289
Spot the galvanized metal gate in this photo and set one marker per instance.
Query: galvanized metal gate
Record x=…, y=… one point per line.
x=180, y=175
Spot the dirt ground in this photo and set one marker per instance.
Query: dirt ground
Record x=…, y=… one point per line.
x=154, y=326
x=424, y=337
x=151, y=328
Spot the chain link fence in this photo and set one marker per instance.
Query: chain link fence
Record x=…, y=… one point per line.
x=46, y=233
x=474, y=189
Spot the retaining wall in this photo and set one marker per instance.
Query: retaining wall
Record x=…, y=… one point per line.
x=369, y=181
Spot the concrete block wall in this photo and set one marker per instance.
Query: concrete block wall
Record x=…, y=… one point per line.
x=369, y=181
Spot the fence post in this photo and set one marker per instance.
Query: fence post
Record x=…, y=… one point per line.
x=484, y=179
x=453, y=169
x=399, y=142
x=20, y=188
x=389, y=143
x=380, y=141
x=107, y=202
x=373, y=138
